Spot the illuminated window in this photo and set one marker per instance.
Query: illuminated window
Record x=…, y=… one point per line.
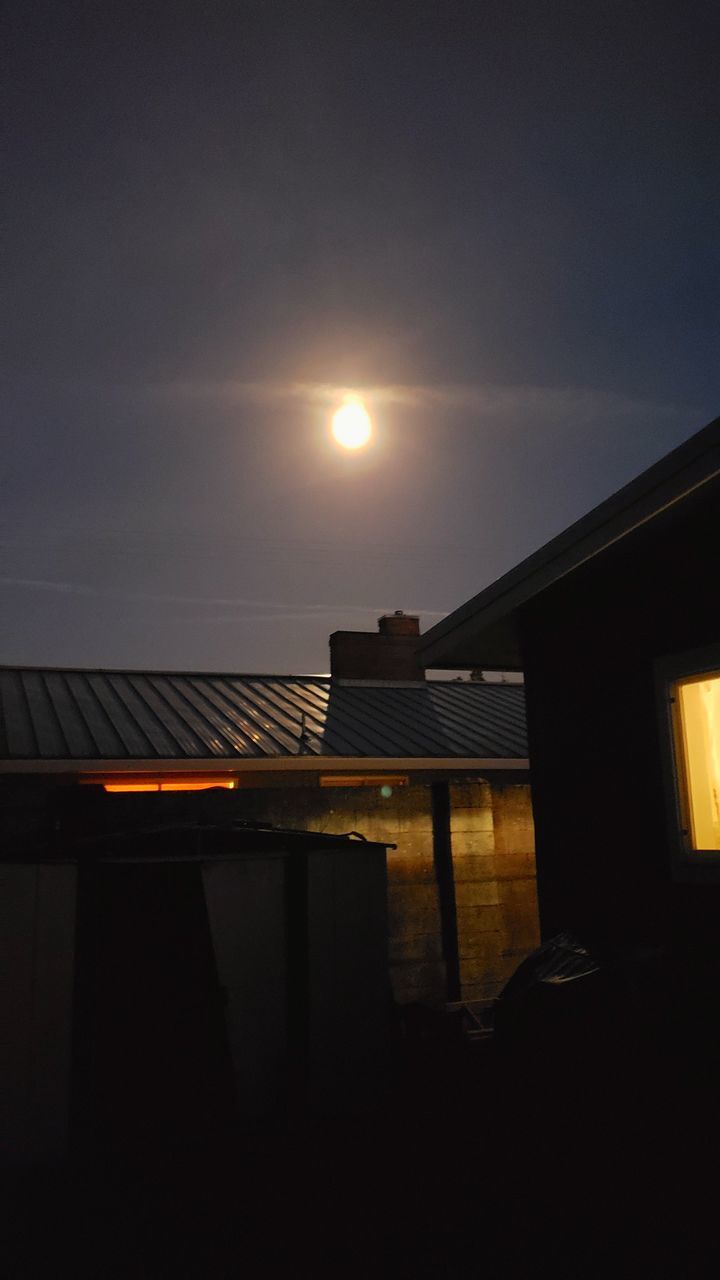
x=697, y=758
x=145, y=783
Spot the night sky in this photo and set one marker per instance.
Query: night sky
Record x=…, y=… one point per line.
x=496, y=220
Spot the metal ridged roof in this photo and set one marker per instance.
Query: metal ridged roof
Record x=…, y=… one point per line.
x=145, y=716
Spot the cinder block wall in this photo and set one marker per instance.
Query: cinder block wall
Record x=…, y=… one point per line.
x=493, y=861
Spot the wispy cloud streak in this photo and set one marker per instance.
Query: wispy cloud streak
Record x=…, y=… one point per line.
x=295, y=610
x=480, y=399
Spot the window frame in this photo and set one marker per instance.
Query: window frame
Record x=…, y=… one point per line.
x=687, y=863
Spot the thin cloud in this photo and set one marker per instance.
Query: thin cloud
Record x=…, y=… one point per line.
x=313, y=611
x=230, y=602
x=486, y=399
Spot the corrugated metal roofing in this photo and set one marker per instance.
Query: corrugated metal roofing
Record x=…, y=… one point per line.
x=127, y=715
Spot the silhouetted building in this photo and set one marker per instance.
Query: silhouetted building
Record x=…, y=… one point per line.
x=616, y=625
x=184, y=981
x=437, y=768
x=107, y=761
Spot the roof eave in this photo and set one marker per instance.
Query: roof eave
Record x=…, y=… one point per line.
x=267, y=764
x=482, y=632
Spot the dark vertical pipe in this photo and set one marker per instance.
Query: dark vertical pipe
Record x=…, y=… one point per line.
x=81, y=1084
x=297, y=971
x=442, y=855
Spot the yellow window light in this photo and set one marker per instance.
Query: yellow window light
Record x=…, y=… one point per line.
x=698, y=756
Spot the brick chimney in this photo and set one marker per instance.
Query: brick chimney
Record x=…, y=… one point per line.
x=390, y=653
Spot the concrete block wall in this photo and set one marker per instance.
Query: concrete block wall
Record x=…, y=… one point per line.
x=495, y=891
x=417, y=968
x=494, y=869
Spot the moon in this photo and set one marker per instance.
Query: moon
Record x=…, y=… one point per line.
x=351, y=424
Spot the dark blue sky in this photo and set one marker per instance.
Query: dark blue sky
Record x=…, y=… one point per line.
x=497, y=220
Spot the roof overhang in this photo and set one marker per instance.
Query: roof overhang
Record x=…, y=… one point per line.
x=483, y=632
x=276, y=764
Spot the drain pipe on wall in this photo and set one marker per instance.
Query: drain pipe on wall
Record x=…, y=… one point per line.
x=442, y=857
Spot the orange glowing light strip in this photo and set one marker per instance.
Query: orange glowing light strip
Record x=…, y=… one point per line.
x=131, y=786
x=160, y=785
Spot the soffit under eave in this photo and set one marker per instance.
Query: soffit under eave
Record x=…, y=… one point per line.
x=472, y=645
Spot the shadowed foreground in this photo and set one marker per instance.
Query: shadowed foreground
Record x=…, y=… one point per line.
x=479, y=1165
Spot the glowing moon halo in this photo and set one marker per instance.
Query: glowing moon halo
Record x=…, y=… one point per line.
x=351, y=424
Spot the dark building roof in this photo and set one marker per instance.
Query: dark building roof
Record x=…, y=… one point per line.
x=93, y=717
x=482, y=632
